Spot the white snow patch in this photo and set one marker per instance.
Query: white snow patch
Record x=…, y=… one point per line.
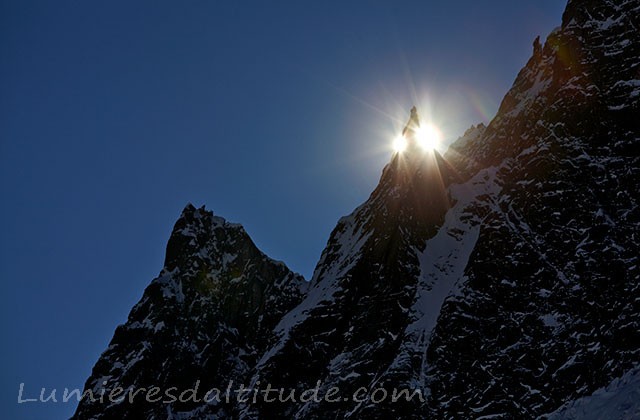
x=442, y=265
x=171, y=286
x=618, y=400
x=550, y=320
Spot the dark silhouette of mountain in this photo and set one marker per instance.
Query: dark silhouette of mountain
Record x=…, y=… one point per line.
x=208, y=316
x=500, y=279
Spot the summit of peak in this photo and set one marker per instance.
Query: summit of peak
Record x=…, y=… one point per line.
x=410, y=130
x=418, y=139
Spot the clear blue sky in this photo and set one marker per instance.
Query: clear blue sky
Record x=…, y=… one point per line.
x=276, y=115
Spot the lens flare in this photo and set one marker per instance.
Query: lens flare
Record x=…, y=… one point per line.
x=399, y=144
x=428, y=136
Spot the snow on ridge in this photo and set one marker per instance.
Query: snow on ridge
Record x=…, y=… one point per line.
x=471, y=135
x=620, y=399
x=350, y=241
x=541, y=83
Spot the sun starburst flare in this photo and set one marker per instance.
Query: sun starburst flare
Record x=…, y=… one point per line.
x=428, y=136
x=399, y=144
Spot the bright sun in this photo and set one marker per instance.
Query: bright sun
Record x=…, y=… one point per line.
x=428, y=136
x=399, y=144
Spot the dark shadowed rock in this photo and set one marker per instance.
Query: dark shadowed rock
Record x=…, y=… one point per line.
x=208, y=317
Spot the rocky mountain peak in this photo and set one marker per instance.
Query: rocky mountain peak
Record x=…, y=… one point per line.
x=410, y=130
x=500, y=280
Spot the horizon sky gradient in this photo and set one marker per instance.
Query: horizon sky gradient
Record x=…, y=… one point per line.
x=114, y=116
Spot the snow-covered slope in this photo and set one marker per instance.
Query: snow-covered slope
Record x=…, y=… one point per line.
x=618, y=400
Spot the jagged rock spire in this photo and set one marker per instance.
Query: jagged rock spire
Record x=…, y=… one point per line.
x=412, y=124
x=410, y=130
